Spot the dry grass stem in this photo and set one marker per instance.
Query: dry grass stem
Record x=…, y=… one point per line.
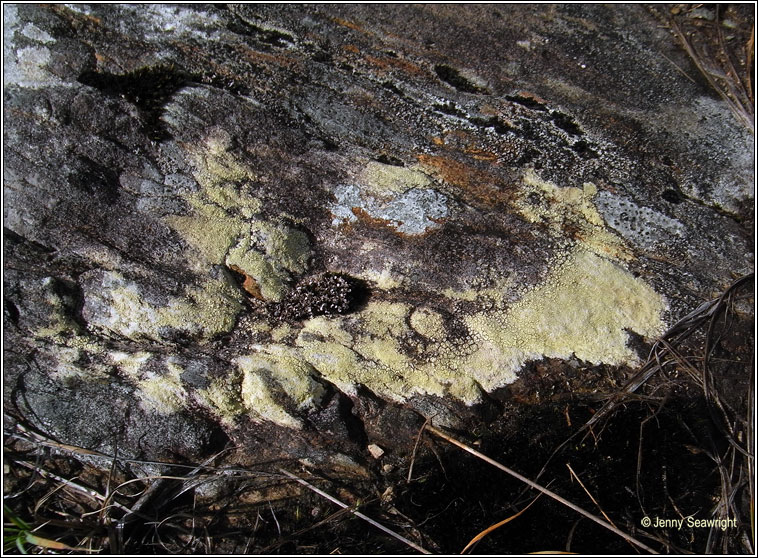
x=541, y=488
x=356, y=513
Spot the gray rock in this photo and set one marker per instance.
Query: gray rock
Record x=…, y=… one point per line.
x=500, y=184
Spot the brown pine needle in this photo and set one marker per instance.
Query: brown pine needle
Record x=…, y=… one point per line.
x=356, y=513
x=491, y=528
x=542, y=489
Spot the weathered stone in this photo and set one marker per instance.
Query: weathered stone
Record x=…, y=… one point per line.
x=315, y=224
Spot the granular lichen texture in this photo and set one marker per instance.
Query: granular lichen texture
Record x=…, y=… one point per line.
x=269, y=221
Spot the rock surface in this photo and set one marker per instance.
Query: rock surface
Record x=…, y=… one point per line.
x=305, y=228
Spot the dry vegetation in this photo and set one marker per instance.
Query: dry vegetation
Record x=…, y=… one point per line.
x=685, y=420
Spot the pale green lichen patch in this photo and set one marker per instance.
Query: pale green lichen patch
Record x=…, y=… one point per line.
x=583, y=308
x=274, y=380
x=381, y=356
x=223, y=397
x=388, y=180
x=428, y=323
x=158, y=391
x=162, y=393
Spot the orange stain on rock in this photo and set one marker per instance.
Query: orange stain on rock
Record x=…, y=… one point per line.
x=477, y=184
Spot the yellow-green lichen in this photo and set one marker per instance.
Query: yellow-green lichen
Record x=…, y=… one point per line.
x=225, y=227
x=380, y=356
x=583, y=308
x=281, y=332
x=382, y=180
x=206, y=311
x=162, y=393
x=223, y=397
x=255, y=264
x=288, y=247
x=428, y=323
x=569, y=210
x=275, y=379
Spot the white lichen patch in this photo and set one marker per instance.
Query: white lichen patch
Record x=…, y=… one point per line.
x=569, y=209
x=384, y=279
x=642, y=227
x=396, y=196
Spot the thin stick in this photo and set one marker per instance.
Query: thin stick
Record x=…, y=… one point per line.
x=541, y=488
x=415, y=447
x=356, y=513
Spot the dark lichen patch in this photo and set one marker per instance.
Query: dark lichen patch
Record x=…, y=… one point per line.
x=97, y=180
x=389, y=86
x=148, y=88
x=271, y=37
x=527, y=102
x=390, y=160
x=453, y=77
x=224, y=82
x=672, y=196
x=328, y=294
x=566, y=123
x=450, y=109
x=585, y=150
x=493, y=122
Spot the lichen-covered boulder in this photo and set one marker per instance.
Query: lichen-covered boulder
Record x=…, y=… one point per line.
x=285, y=224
